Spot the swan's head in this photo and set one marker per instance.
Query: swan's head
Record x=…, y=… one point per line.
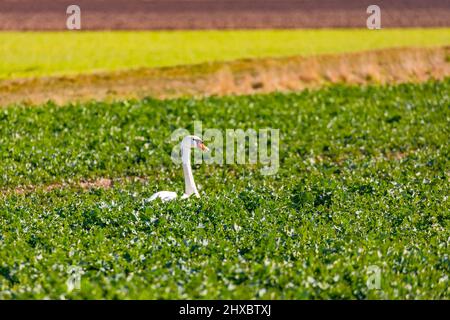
x=194, y=142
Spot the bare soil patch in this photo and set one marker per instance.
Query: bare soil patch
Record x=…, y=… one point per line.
x=220, y=14
x=99, y=183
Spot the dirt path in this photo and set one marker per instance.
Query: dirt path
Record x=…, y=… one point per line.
x=99, y=183
x=238, y=77
x=207, y=14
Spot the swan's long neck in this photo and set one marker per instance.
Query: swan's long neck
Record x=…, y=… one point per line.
x=189, y=184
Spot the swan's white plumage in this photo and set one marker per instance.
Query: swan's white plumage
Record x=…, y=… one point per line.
x=187, y=144
x=164, y=196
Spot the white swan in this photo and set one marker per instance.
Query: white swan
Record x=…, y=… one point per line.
x=187, y=144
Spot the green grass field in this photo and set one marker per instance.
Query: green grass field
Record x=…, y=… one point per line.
x=49, y=53
x=363, y=181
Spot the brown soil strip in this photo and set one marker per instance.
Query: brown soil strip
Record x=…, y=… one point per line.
x=238, y=77
x=99, y=183
x=220, y=14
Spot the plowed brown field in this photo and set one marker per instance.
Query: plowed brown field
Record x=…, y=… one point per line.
x=207, y=14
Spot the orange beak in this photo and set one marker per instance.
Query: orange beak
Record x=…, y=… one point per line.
x=202, y=146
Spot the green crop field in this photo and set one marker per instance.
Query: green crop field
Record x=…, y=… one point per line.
x=363, y=181
x=48, y=53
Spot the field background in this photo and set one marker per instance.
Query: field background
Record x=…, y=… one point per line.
x=221, y=14
x=85, y=124
x=60, y=53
